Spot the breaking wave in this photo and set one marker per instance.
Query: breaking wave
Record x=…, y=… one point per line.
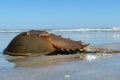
x=89, y=30
x=10, y=31
x=114, y=29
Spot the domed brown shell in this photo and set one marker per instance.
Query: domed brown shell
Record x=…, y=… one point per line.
x=37, y=42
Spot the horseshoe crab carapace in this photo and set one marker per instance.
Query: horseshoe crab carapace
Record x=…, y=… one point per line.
x=35, y=42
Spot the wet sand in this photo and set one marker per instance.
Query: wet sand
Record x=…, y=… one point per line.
x=99, y=66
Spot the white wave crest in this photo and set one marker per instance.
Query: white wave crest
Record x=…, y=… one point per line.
x=73, y=30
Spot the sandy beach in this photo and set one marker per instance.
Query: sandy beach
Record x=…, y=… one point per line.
x=62, y=67
x=99, y=66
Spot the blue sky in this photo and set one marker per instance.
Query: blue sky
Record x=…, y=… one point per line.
x=59, y=14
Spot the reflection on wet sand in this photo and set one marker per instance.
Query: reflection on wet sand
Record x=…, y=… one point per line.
x=43, y=61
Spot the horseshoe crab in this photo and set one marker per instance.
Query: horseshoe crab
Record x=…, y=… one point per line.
x=35, y=42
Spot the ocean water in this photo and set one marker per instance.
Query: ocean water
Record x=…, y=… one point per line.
x=41, y=68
